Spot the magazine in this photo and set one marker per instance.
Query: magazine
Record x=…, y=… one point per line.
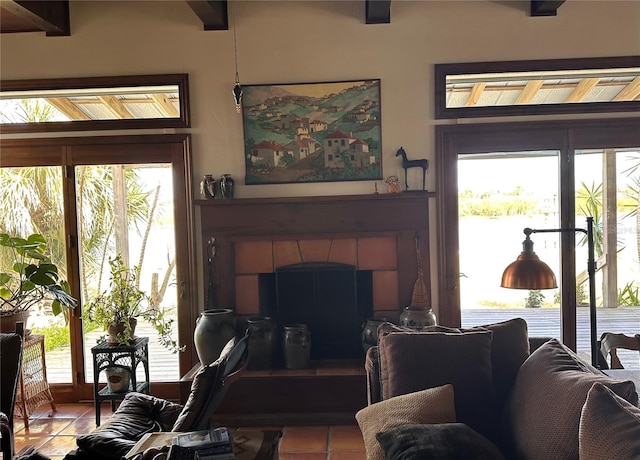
x=204, y=438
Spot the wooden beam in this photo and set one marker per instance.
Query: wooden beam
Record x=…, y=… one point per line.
x=213, y=13
x=529, y=91
x=610, y=229
x=51, y=16
x=629, y=92
x=582, y=89
x=545, y=7
x=165, y=105
x=378, y=11
x=476, y=92
x=67, y=108
x=116, y=106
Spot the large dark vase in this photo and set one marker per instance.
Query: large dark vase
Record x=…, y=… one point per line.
x=261, y=342
x=370, y=332
x=214, y=328
x=297, y=346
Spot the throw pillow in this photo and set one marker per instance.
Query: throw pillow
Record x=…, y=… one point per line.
x=543, y=410
x=509, y=349
x=415, y=361
x=448, y=441
x=434, y=405
x=609, y=426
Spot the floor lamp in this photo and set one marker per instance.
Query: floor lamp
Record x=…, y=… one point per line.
x=529, y=272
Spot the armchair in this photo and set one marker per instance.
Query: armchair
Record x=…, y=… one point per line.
x=139, y=413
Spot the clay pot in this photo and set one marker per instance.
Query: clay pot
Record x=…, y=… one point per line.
x=297, y=346
x=261, y=342
x=214, y=328
x=417, y=317
x=114, y=330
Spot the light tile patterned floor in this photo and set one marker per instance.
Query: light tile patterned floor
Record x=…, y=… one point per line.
x=53, y=434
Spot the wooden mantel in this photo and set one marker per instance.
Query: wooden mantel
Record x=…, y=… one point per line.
x=401, y=216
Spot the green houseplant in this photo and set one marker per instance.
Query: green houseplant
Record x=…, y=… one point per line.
x=118, y=308
x=31, y=279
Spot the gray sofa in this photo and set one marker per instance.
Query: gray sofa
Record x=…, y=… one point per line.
x=512, y=396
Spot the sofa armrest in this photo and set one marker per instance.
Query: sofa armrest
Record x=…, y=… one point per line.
x=372, y=369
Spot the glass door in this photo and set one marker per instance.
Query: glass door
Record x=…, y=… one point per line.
x=499, y=194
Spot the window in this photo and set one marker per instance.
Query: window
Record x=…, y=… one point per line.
x=533, y=173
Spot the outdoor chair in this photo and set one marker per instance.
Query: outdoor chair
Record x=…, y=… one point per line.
x=610, y=343
x=10, y=363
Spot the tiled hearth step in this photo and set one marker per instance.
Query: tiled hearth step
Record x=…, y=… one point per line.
x=329, y=392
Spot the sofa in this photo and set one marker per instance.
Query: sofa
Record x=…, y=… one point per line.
x=492, y=392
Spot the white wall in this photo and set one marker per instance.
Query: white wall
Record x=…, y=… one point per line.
x=312, y=41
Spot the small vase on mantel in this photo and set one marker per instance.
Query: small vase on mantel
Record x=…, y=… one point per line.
x=370, y=332
x=226, y=186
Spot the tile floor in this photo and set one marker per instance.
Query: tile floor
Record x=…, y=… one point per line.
x=53, y=434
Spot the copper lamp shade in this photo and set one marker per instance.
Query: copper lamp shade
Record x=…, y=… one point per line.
x=528, y=271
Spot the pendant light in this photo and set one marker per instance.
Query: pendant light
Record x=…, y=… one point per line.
x=237, y=88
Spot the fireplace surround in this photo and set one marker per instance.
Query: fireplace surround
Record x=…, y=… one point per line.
x=259, y=238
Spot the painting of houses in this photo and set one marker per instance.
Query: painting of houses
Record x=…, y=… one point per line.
x=312, y=132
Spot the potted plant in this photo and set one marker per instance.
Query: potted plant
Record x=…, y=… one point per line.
x=118, y=308
x=31, y=279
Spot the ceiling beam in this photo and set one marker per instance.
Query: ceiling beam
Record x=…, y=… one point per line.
x=582, y=89
x=630, y=92
x=529, y=91
x=165, y=105
x=475, y=94
x=545, y=7
x=378, y=11
x=116, y=107
x=68, y=108
x=213, y=13
x=51, y=17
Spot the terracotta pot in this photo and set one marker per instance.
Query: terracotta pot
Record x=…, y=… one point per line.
x=8, y=322
x=115, y=329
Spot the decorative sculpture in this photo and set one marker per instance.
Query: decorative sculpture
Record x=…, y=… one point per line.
x=406, y=164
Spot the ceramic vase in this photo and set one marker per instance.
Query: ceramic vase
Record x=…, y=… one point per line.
x=208, y=187
x=417, y=317
x=114, y=330
x=296, y=346
x=214, y=328
x=261, y=342
x=370, y=332
x=226, y=186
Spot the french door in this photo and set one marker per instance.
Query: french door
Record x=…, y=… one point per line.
x=94, y=198
x=496, y=179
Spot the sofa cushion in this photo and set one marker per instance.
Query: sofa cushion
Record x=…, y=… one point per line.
x=609, y=426
x=543, y=410
x=509, y=349
x=420, y=360
x=434, y=405
x=448, y=441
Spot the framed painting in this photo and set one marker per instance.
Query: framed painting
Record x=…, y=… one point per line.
x=312, y=132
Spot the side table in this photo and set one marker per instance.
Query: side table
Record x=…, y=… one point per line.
x=107, y=356
x=33, y=390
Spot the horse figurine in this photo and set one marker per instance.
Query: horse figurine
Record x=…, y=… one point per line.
x=406, y=164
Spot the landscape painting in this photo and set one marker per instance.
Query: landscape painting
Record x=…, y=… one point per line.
x=312, y=132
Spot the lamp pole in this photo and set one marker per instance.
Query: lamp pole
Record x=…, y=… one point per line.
x=591, y=272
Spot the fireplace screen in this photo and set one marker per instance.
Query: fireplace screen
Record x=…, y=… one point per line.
x=332, y=299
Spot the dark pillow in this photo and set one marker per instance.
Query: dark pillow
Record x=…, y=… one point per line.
x=543, y=411
x=420, y=360
x=446, y=441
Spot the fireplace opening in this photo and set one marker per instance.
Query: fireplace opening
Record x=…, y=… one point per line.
x=332, y=299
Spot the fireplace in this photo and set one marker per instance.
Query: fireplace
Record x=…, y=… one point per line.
x=332, y=299
x=329, y=262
